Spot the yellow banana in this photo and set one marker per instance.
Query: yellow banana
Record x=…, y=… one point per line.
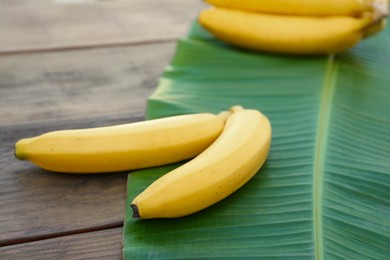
x=298, y=7
x=232, y=160
x=123, y=147
x=286, y=33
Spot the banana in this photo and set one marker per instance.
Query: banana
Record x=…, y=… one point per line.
x=298, y=7
x=231, y=161
x=123, y=147
x=289, y=34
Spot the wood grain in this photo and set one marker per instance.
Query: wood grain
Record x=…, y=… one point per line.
x=79, y=84
x=49, y=25
x=104, y=244
x=75, y=65
x=61, y=90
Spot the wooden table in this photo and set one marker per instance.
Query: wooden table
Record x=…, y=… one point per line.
x=75, y=64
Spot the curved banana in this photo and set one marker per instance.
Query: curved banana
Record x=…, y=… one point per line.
x=123, y=147
x=232, y=160
x=286, y=33
x=298, y=7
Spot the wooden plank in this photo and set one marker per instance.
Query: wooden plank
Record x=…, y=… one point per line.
x=74, y=89
x=79, y=84
x=104, y=244
x=37, y=204
x=49, y=24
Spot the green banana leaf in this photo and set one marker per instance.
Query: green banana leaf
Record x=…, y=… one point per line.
x=324, y=192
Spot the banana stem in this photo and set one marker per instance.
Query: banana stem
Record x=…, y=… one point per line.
x=236, y=108
x=381, y=9
x=224, y=115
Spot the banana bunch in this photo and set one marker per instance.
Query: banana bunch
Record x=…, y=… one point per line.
x=229, y=149
x=294, y=26
x=227, y=164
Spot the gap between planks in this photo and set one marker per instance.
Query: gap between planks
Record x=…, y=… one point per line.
x=83, y=46
x=30, y=239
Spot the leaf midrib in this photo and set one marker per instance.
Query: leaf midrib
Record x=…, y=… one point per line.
x=326, y=100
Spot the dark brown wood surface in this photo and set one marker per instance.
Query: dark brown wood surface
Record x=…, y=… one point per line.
x=68, y=64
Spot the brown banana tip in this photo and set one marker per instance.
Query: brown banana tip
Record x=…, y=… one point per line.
x=135, y=211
